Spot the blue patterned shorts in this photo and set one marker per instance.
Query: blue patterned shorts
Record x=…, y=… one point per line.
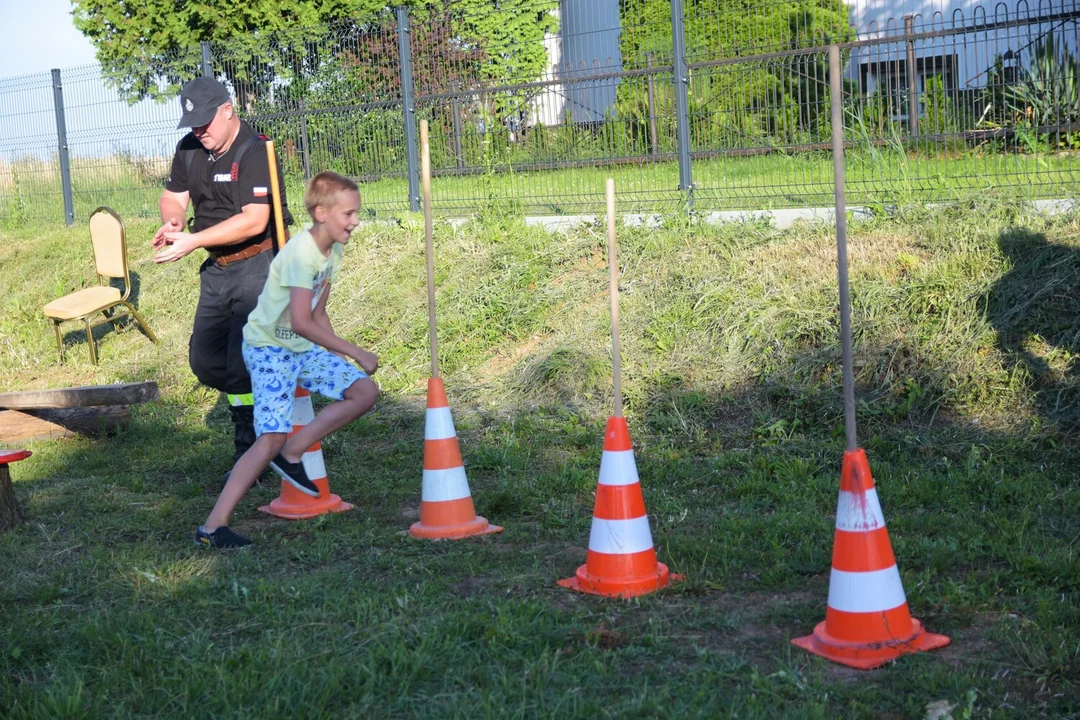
x=276, y=372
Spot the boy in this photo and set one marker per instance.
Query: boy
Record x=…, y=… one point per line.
x=288, y=341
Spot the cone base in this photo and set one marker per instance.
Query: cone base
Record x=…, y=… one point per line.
x=866, y=656
x=477, y=526
x=318, y=506
x=620, y=587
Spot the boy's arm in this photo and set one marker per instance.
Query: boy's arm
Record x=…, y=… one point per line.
x=320, y=314
x=305, y=324
x=323, y=318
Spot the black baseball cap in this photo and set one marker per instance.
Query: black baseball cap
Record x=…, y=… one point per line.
x=200, y=100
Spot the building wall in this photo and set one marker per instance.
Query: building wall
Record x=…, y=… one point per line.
x=962, y=60
x=587, y=44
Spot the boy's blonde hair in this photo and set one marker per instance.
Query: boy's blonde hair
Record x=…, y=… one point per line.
x=324, y=188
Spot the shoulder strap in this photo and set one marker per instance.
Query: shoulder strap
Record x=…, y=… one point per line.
x=240, y=151
x=286, y=216
x=189, y=162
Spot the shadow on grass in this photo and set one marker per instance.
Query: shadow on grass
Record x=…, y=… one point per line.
x=1035, y=308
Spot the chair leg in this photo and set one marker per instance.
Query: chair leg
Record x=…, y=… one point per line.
x=142, y=323
x=90, y=341
x=59, y=340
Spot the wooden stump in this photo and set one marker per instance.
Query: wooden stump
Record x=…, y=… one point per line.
x=18, y=426
x=10, y=514
x=46, y=414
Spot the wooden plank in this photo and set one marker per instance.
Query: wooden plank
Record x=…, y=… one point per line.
x=50, y=423
x=92, y=395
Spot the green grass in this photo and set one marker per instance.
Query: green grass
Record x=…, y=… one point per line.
x=966, y=342
x=875, y=176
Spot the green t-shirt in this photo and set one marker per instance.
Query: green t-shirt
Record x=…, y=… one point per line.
x=299, y=264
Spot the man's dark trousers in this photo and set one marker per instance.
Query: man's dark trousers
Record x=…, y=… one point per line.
x=227, y=295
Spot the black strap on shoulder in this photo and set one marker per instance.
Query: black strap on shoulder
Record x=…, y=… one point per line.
x=189, y=161
x=240, y=151
x=287, y=217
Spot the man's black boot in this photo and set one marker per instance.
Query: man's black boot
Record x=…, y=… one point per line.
x=243, y=417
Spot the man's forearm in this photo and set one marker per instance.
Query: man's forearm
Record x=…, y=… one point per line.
x=236, y=229
x=171, y=210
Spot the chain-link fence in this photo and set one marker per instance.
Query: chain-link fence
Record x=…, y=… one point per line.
x=713, y=104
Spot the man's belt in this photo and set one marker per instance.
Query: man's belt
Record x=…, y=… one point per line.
x=226, y=256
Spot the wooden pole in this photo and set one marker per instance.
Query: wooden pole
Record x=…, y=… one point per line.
x=613, y=280
x=275, y=195
x=836, y=90
x=425, y=181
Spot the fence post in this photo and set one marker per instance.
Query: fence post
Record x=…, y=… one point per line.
x=62, y=142
x=912, y=78
x=682, y=101
x=652, y=106
x=455, y=108
x=207, y=59
x=304, y=145
x=408, y=109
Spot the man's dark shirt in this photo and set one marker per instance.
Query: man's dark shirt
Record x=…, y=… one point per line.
x=212, y=185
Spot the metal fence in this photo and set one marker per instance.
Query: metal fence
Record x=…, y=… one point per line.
x=714, y=105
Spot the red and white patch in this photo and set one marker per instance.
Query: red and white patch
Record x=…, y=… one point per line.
x=259, y=191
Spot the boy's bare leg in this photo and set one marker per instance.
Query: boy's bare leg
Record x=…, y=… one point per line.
x=250, y=465
x=359, y=398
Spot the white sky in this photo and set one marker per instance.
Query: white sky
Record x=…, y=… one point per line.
x=38, y=36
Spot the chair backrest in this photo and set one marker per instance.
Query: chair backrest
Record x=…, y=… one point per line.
x=110, y=251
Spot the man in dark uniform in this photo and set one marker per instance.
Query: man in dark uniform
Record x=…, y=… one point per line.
x=232, y=222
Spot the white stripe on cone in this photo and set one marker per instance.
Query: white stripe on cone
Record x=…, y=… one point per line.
x=302, y=412
x=312, y=460
x=442, y=485
x=620, y=537
x=859, y=512
x=438, y=424
x=865, y=592
x=313, y=464
x=617, y=467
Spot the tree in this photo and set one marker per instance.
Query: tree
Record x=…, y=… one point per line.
x=150, y=47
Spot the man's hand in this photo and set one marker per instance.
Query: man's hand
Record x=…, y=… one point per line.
x=174, y=225
x=176, y=245
x=368, y=362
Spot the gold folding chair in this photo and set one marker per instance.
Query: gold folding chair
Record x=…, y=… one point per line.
x=110, y=259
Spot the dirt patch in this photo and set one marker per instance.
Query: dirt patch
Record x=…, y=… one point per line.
x=587, y=265
x=503, y=361
x=470, y=586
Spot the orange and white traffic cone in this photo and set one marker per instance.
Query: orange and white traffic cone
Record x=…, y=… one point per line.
x=446, y=506
x=867, y=622
x=293, y=504
x=621, y=560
